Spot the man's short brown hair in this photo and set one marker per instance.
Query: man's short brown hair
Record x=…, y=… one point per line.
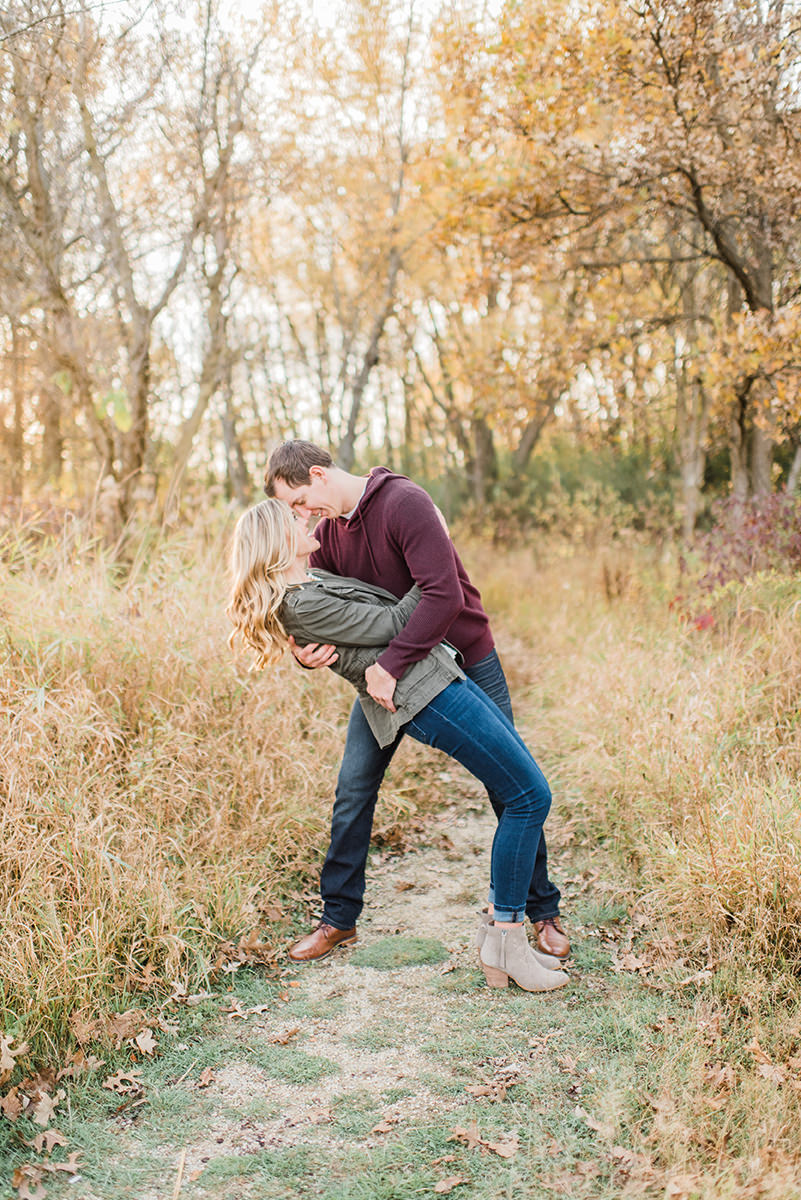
x=291, y=462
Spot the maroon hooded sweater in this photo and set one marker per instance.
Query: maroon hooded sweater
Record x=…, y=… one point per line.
x=395, y=539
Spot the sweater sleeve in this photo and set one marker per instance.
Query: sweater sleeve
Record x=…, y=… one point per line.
x=424, y=544
x=316, y=615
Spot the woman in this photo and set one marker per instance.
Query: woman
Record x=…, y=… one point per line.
x=274, y=595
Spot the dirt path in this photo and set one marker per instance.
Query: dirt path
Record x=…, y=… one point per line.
x=390, y=1070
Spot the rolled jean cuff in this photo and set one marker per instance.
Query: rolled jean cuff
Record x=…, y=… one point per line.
x=509, y=915
x=543, y=916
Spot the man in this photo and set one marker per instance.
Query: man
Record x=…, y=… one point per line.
x=386, y=530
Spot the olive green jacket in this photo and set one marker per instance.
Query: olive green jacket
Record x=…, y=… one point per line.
x=361, y=620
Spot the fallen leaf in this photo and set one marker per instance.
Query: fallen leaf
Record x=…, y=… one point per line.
x=13, y=1104
x=84, y=1027
x=43, y=1143
x=281, y=1039
x=681, y=1187
x=124, y=1025
x=774, y=1072
x=206, y=1077
x=435, y=1162
x=630, y=962
x=8, y=1057
x=506, y=1148
x=79, y=1063
x=27, y=1180
x=146, y=1042
x=385, y=1126
x=758, y=1053
x=124, y=1082
x=447, y=1185
x=469, y=1136
x=44, y=1108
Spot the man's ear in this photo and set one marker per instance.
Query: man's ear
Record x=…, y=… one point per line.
x=317, y=472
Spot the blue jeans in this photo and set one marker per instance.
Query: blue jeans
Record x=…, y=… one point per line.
x=364, y=764
x=467, y=725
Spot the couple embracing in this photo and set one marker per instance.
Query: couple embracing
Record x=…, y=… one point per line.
x=378, y=594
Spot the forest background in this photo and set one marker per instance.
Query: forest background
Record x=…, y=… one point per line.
x=524, y=253
x=542, y=257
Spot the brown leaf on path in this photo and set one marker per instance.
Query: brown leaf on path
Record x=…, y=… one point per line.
x=447, y=1185
x=385, y=1126
x=124, y=1025
x=124, y=1083
x=43, y=1143
x=44, y=1108
x=8, y=1057
x=27, y=1181
x=78, y=1063
x=146, y=1042
x=281, y=1039
x=435, y=1162
x=13, y=1104
x=470, y=1136
x=774, y=1072
x=206, y=1077
x=505, y=1147
x=759, y=1054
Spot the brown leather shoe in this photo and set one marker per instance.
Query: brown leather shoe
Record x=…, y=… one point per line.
x=551, y=937
x=320, y=942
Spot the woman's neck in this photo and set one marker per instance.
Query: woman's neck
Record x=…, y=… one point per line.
x=298, y=572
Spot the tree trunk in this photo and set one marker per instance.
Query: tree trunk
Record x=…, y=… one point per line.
x=483, y=467
x=52, y=463
x=795, y=471
x=238, y=477
x=16, y=440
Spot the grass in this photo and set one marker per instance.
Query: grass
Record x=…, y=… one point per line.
x=390, y=953
x=158, y=801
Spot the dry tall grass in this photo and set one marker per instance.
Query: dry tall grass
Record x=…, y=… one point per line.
x=680, y=740
x=156, y=797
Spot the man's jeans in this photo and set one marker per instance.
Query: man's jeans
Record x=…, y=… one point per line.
x=364, y=763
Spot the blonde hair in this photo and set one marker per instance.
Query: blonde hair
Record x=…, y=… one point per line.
x=262, y=551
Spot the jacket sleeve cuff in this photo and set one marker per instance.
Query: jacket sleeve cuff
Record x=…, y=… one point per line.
x=391, y=663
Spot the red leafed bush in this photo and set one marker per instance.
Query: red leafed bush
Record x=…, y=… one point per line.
x=762, y=534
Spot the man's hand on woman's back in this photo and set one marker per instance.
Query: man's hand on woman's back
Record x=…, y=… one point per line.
x=313, y=655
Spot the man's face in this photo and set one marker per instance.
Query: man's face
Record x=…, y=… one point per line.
x=316, y=498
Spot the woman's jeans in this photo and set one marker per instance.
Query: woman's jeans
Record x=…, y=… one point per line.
x=364, y=763
x=464, y=722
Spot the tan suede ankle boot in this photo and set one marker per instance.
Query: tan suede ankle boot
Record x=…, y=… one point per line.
x=545, y=960
x=507, y=955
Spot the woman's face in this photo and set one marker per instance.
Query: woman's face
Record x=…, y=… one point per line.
x=305, y=542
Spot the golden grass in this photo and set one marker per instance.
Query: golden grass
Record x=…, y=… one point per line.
x=156, y=797
x=680, y=744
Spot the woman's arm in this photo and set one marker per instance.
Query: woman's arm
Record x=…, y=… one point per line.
x=315, y=614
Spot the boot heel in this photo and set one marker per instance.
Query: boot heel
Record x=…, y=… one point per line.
x=496, y=978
